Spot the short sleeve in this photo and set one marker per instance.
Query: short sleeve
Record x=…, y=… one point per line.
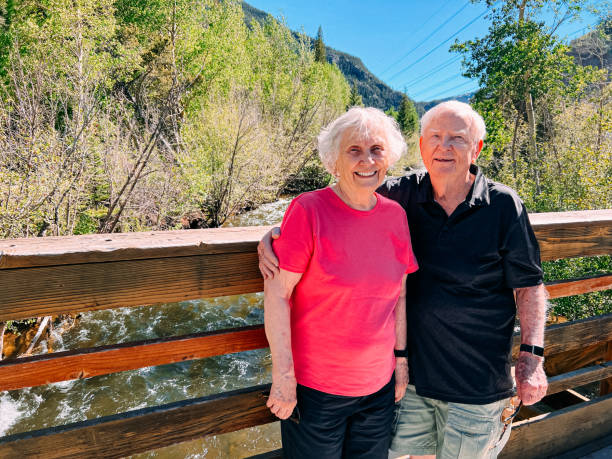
x=521, y=253
x=294, y=247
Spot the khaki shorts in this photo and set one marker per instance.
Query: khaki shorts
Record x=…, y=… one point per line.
x=449, y=430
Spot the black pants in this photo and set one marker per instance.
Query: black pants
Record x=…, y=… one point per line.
x=334, y=426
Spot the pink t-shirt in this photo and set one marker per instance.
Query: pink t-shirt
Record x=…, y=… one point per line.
x=343, y=308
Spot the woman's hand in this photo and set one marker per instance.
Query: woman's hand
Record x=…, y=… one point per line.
x=401, y=377
x=268, y=263
x=283, y=398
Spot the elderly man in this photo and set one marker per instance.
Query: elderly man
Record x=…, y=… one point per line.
x=479, y=263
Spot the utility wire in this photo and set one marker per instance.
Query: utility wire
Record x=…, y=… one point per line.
x=435, y=96
x=444, y=42
x=443, y=65
x=435, y=85
x=428, y=36
x=580, y=31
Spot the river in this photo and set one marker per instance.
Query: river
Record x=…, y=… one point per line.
x=72, y=401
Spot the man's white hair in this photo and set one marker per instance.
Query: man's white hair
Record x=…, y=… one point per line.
x=477, y=126
x=362, y=120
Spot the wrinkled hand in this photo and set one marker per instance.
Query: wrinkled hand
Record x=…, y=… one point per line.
x=282, y=398
x=530, y=378
x=401, y=377
x=268, y=263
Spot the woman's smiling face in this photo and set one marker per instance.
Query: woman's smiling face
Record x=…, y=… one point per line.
x=363, y=160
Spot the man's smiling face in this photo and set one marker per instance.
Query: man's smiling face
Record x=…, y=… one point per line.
x=449, y=145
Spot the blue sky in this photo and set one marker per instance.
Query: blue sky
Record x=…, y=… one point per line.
x=404, y=43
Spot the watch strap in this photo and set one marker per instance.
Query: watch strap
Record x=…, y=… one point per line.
x=400, y=352
x=535, y=350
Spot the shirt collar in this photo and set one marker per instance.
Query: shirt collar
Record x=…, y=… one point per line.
x=477, y=196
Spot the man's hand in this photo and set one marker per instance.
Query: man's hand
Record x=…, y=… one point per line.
x=530, y=378
x=401, y=377
x=268, y=263
x=283, y=398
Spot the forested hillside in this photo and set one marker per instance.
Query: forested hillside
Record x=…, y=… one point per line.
x=122, y=115
x=373, y=91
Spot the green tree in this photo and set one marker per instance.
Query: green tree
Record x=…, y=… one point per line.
x=519, y=65
x=355, y=99
x=319, y=47
x=407, y=116
x=392, y=112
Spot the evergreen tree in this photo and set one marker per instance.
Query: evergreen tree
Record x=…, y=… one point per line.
x=319, y=47
x=355, y=99
x=392, y=112
x=407, y=116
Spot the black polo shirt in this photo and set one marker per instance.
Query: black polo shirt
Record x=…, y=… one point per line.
x=460, y=303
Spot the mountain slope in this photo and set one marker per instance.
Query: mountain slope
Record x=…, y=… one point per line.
x=374, y=92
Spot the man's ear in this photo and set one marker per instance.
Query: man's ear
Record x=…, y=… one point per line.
x=478, y=150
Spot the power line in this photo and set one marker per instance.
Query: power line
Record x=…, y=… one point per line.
x=443, y=65
x=579, y=31
x=444, y=42
x=428, y=36
x=433, y=86
x=435, y=96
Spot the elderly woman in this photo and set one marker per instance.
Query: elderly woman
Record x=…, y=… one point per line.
x=334, y=313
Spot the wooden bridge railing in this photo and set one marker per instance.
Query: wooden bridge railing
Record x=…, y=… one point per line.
x=51, y=276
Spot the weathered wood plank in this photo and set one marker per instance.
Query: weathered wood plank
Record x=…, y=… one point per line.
x=572, y=335
x=96, y=248
x=561, y=431
x=47, y=291
x=143, y=430
x=573, y=234
x=561, y=235
x=579, y=377
x=86, y=363
x=575, y=359
x=560, y=289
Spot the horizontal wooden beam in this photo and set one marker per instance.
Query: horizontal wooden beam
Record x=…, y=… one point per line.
x=53, y=290
x=89, y=362
x=561, y=431
x=573, y=234
x=579, y=377
x=560, y=289
x=151, y=428
x=85, y=363
x=145, y=429
x=99, y=248
x=568, y=361
x=561, y=235
x=572, y=335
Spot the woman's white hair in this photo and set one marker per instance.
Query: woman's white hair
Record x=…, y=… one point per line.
x=361, y=119
x=477, y=126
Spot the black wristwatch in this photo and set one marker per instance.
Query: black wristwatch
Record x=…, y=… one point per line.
x=400, y=352
x=535, y=350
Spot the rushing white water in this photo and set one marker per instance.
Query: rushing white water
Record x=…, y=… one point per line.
x=72, y=401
